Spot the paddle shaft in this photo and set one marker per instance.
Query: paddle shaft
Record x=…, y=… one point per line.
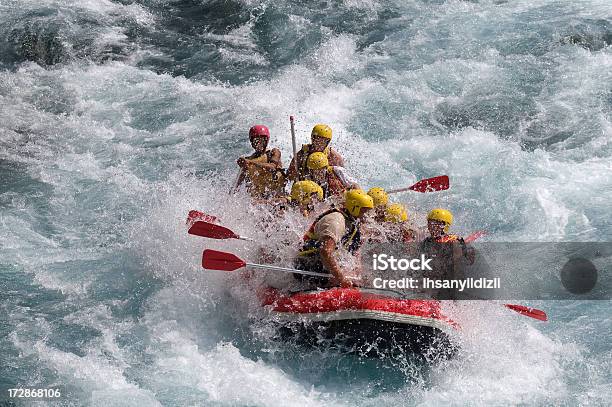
x=294, y=145
x=394, y=191
x=293, y=142
x=288, y=270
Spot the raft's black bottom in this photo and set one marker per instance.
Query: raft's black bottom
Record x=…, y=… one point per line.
x=370, y=337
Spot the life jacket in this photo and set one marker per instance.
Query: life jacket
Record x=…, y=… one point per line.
x=303, y=164
x=429, y=243
x=263, y=183
x=351, y=240
x=448, y=239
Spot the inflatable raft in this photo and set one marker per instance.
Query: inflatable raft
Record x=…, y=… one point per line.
x=367, y=321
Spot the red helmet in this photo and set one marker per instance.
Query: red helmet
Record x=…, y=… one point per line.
x=259, y=130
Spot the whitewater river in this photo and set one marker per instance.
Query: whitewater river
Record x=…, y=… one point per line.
x=117, y=117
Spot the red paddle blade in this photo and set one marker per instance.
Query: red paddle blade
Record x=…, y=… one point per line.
x=211, y=230
x=440, y=183
x=216, y=260
x=528, y=311
x=197, y=215
x=476, y=235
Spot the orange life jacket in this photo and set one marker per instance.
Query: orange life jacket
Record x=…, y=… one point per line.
x=448, y=239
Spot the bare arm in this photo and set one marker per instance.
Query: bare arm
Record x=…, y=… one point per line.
x=335, y=158
x=239, y=181
x=346, y=180
x=293, y=173
x=328, y=246
x=274, y=164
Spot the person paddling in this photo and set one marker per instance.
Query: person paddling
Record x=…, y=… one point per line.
x=320, y=137
x=333, y=179
x=445, y=249
x=333, y=230
x=438, y=223
x=262, y=171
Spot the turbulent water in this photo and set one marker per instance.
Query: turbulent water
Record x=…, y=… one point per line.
x=117, y=117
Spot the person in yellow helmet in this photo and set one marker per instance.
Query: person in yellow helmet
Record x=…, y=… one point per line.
x=262, y=171
x=396, y=213
x=333, y=179
x=446, y=250
x=438, y=222
x=320, y=137
x=398, y=229
x=304, y=195
x=381, y=199
x=393, y=227
x=335, y=229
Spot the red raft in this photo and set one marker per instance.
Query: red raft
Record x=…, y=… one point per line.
x=367, y=321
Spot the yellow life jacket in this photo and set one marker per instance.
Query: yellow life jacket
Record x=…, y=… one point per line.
x=262, y=183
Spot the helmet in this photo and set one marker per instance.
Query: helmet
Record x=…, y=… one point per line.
x=379, y=196
x=259, y=130
x=442, y=215
x=301, y=191
x=322, y=130
x=355, y=199
x=316, y=161
x=396, y=213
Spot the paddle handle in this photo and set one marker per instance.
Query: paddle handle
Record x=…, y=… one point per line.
x=293, y=142
x=294, y=145
x=288, y=270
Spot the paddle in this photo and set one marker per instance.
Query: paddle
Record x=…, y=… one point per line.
x=439, y=183
x=476, y=235
x=521, y=309
x=197, y=215
x=528, y=311
x=293, y=142
x=294, y=145
x=214, y=231
x=216, y=260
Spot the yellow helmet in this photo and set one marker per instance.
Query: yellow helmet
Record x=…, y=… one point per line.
x=355, y=199
x=317, y=161
x=379, y=196
x=396, y=213
x=441, y=215
x=322, y=130
x=301, y=191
